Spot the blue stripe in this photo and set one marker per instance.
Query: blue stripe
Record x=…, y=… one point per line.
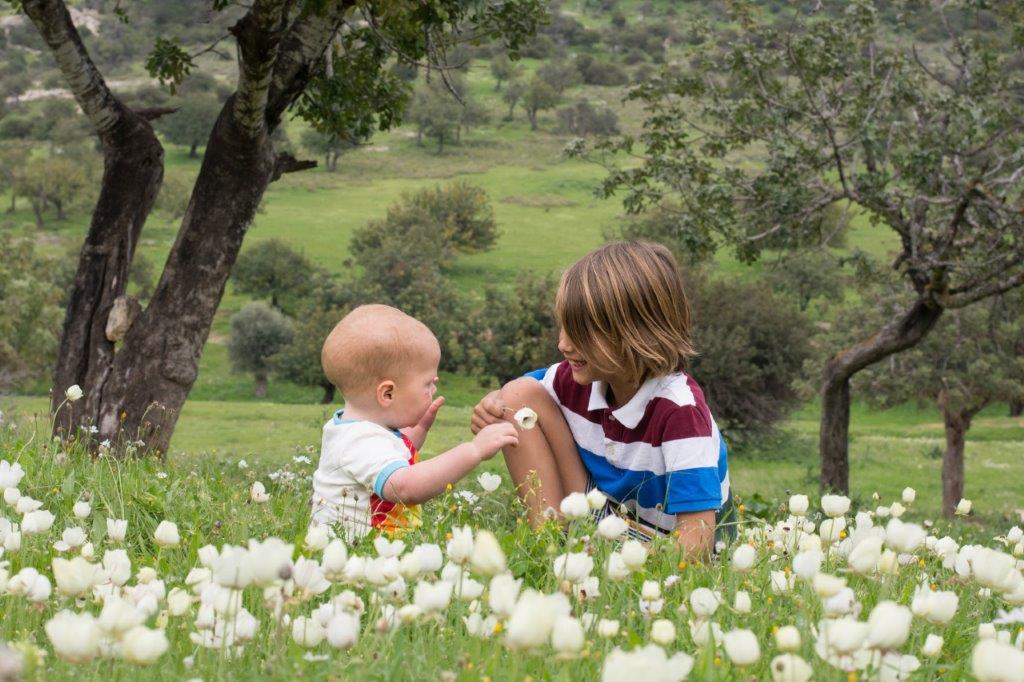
x=723, y=458
x=695, y=489
x=385, y=474
x=537, y=374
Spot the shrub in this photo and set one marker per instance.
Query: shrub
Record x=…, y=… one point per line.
x=751, y=349
x=273, y=270
x=584, y=119
x=257, y=333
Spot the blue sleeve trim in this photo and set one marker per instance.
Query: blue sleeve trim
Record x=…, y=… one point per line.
x=385, y=474
x=690, y=490
x=537, y=374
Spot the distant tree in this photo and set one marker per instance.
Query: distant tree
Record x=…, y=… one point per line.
x=328, y=146
x=600, y=71
x=584, y=119
x=174, y=195
x=435, y=113
x=190, y=124
x=453, y=218
x=513, y=93
x=257, y=333
x=30, y=313
x=538, y=96
x=665, y=223
x=969, y=361
x=53, y=181
x=503, y=69
x=844, y=111
x=12, y=160
x=808, y=275
x=560, y=74
x=299, y=360
x=750, y=352
x=514, y=331
x=141, y=275
x=273, y=270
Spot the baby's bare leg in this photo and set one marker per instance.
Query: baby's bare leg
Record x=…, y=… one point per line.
x=545, y=466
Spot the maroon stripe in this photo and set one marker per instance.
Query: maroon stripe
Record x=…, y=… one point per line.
x=663, y=419
x=574, y=397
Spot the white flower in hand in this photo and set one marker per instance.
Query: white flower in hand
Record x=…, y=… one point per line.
x=526, y=418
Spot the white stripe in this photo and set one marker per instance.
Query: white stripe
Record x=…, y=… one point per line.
x=677, y=389
x=549, y=382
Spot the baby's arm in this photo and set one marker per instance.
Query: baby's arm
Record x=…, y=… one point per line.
x=428, y=479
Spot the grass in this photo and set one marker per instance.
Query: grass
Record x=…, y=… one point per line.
x=888, y=449
x=207, y=498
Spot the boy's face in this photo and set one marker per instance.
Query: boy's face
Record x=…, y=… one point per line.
x=414, y=391
x=582, y=371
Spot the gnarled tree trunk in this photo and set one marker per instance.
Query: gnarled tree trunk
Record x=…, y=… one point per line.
x=901, y=333
x=138, y=392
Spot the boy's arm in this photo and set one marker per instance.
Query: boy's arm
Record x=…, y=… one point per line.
x=696, y=533
x=427, y=479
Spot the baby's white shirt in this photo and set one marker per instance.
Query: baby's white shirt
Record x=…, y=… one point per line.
x=356, y=459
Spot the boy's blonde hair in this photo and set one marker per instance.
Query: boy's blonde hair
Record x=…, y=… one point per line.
x=373, y=343
x=623, y=307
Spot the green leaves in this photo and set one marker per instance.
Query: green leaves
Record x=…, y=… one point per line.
x=169, y=63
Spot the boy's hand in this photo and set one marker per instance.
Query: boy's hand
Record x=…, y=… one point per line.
x=418, y=434
x=490, y=410
x=494, y=437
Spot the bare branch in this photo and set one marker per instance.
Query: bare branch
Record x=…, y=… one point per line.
x=53, y=21
x=153, y=113
x=286, y=163
x=991, y=289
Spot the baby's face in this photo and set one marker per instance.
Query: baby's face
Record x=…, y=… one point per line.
x=414, y=392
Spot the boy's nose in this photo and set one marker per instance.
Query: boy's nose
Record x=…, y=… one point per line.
x=564, y=345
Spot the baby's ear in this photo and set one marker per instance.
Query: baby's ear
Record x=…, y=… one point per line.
x=385, y=392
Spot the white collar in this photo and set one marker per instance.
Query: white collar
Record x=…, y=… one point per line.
x=630, y=414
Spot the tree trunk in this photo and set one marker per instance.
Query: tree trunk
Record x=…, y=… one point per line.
x=60, y=209
x=14, y=201
x=37, y=211
x=1016, y=408
x=532, y=115
x=192, y=151
x=956, y=424
x=261, y=384
x=155, y=368
x=328, y=394
x=899, y=334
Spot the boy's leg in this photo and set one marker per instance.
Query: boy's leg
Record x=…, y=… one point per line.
x=545, y=466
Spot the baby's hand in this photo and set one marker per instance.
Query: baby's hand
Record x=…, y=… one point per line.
x=494, y=437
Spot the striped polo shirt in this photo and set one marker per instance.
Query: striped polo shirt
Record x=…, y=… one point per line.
x=659, y=454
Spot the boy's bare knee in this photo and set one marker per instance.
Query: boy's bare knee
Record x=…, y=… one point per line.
x=523, y=390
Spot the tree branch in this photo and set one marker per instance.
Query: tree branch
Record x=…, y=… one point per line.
x=153, y=113
x=53, y=21
x=302, y=45
x=286, y=163
x=259, y=35
x=965, y=298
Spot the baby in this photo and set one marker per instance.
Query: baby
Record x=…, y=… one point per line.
x=384, y=363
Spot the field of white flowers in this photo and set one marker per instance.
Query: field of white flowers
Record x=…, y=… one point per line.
x=208, y=570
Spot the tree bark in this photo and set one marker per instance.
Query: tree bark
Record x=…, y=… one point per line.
x=1016, y=408
x=261, y=384
x=158, y=362
x=899, y=334
x=957, y=421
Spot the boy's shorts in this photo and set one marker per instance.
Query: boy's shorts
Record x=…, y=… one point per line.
x=638, y=529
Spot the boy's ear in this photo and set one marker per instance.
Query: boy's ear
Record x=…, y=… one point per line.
x=385, y=393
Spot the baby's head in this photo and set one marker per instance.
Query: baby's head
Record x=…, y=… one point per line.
x=384, y=362
x=624, y=314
